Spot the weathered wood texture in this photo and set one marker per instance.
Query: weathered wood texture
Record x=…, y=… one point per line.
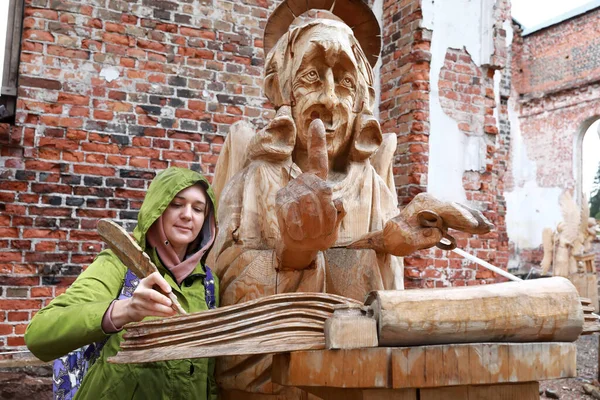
x=350, y=328
x=279, y=323
x=517, y=391
x=239, y=395
x=426, y=366
x=526, y=311
x=362, y=394
x=587, y=286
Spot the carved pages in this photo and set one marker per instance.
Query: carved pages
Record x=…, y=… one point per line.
x=279, y=323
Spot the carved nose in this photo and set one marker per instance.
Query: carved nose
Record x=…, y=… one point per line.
x=328, y=97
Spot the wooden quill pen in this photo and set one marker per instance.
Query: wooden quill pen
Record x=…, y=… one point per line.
x=131, y=254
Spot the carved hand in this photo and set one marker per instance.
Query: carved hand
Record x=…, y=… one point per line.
x=404, y=234
x=308, y=216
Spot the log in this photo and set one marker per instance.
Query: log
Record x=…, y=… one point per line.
x=528, y=311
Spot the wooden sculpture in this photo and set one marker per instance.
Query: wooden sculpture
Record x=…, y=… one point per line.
x=573, y=237
x=568, y=251
x=316, y=179
x=488, y=342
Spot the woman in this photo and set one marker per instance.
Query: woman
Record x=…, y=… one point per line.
x=176, y=228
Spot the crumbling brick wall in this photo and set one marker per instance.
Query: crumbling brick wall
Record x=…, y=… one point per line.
x=404, y=108
x=467, y=94
x=555, y=80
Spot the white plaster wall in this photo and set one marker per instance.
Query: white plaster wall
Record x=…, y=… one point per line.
x=378, y=11
x=529, y=207
x=455, y=24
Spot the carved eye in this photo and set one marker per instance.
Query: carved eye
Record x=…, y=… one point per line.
x=347, y=82
x=311, y=76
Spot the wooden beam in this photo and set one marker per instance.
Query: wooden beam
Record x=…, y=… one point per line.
x=426, y=366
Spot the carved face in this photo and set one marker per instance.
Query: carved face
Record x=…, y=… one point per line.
x=325, y=87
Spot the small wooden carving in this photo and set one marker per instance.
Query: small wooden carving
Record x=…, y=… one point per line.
x=568, y=250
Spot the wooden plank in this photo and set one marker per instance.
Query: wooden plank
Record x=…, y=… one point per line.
x=520, y=391
x=354, y=368
x=361, y=394
x=481, y=363
x=426, y=366
x=12, y=48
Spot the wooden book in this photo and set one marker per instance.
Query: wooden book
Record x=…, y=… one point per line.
x=279, y=323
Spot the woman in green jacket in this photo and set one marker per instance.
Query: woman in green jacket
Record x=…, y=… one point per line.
x=176, y=228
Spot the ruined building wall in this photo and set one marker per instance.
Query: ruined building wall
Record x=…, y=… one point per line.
x=556, y=72
x=467, y=133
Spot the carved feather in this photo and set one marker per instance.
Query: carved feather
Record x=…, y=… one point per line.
x=548, y=245
x=571, y=219
x=585, y=215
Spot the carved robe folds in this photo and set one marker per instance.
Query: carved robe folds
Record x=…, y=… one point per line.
x=245, y=256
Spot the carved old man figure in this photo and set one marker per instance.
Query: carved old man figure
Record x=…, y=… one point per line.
x=295, y=195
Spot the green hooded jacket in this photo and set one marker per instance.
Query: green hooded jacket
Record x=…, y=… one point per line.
x=74, y=318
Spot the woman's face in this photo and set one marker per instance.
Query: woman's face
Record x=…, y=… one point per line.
x=184, y=217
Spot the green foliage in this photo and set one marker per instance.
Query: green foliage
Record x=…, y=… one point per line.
x=595, y=196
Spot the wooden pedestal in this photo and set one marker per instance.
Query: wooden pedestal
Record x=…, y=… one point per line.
x=586, y=279
x=479, y=371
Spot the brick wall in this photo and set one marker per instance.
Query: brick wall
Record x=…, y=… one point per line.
x=404, y=107
x=112, y=90
x=559, y=57
x=467, y=95
x=108, y=93
x=555, y=78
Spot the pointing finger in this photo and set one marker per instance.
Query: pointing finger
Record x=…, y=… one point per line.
x=318, y=162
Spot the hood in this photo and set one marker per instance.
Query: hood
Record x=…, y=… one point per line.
x=161, y=192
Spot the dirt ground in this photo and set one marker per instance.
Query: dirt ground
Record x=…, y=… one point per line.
x=587, y=372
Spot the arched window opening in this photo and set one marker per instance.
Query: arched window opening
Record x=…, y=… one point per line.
x=590, y=167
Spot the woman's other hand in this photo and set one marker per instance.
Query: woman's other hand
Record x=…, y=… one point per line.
x=146, y=301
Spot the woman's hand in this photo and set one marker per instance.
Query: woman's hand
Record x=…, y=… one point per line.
x=145, y=302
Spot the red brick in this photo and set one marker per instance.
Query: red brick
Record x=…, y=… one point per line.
x=18, y=316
